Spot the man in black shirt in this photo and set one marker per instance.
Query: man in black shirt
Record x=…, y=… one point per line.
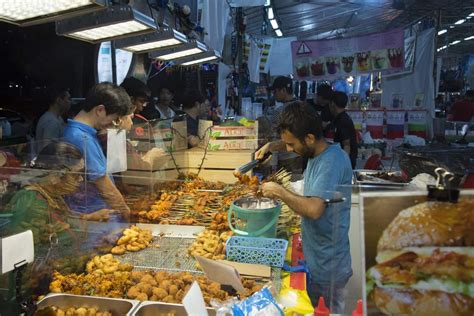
x=195, y=105
x=344, y=131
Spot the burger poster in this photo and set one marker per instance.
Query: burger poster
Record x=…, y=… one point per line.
x=419, y=254
x=318, y=59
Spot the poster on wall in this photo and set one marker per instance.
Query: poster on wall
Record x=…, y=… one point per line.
x=318, y=59
x=416, y=253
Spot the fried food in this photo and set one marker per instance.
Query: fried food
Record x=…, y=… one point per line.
x=210, y=244
x=106, y=264
x=133, y=239
x=81, y=311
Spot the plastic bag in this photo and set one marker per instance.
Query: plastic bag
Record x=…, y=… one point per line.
x=261, y=303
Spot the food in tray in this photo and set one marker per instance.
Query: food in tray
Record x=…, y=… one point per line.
x=425, y=261
x=159, y=286
x=107, y=285
x=133, y=239
x=387, y=176
x=71, y=311
x=106, y=264
x=210, y=244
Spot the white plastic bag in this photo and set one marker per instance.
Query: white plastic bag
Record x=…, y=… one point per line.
x=116, y=151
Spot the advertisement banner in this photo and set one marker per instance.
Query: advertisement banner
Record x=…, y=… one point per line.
x=417, y=123
x=374, y=122
x=395, y=124
x=357, y=118
x=317, y=59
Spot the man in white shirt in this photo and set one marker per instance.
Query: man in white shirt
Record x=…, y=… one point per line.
x=51, y=124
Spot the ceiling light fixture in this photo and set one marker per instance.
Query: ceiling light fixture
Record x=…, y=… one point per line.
x=152, y=41
x=270, y=14
x=454, y=42
x=274, y=24
x=279, y=33
x=180, y=51
x=472, y=14
x=27, y=12
x=469, y=38
x=209, y=56
x=112, y=23
x=459, y=22
x=442, y=32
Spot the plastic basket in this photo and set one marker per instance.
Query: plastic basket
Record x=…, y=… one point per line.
x=267, y=251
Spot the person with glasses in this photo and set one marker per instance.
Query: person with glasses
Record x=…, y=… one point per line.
x=104, y=106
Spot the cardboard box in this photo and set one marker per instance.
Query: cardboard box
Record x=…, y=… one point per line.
x=228, y=137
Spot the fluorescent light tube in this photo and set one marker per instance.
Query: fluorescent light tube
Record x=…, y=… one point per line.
x=274, y=24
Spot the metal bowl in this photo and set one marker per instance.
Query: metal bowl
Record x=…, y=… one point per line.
x=118, y=307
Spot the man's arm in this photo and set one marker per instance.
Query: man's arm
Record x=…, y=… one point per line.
x=311, y=208
x=275, y=146
x=112, y=195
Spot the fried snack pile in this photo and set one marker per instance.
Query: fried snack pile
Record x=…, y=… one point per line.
x=210, y=244
x=144, y=285
x=133, y=239
x=172, y=287
x=219, y=222
x=107, y=285
x=107, y=264
x=160, y=209
x=72, y=311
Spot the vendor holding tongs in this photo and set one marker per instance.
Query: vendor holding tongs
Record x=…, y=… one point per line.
x=325, y=236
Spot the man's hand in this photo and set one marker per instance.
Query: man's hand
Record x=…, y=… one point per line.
x=98, y=216
x=193, y=141
x=272, y=190
x=153, y=154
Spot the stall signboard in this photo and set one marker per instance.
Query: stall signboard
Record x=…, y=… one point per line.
x=374, y=122
x=395, y=124
x=228, y=137
x=357, y=118
x=417, y=123
x=317, y=59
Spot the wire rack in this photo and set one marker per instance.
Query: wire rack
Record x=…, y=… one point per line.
x=165, y=253
x=172, y=255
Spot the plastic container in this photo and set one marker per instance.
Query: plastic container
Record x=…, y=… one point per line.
x=266, y=251
x=260, y=222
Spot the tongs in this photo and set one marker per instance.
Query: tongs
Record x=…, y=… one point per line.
x=249, y=166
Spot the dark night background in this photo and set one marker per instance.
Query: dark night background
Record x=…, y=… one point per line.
x=33, y=58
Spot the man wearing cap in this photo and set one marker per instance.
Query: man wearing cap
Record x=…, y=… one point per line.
x=282, y=88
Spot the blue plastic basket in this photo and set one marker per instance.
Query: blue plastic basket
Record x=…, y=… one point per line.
x=267, y=251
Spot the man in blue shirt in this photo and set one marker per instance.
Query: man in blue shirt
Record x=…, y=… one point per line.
x=105, y=104
x=324, y=226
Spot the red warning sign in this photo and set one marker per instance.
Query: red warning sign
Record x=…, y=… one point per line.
x=303, y=49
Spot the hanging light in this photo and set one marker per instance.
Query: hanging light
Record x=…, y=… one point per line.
x=441, y=32
x=152, y=41
x=270, y=14
x=208, y=56
x=274, y=24
x=460, y=22
x=112, y=23
x=279, y=33
x=180, y=51
x=28, y=12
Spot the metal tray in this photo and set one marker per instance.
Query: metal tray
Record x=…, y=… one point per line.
x=164, y=309
x=376, y=181
x=118, y=307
